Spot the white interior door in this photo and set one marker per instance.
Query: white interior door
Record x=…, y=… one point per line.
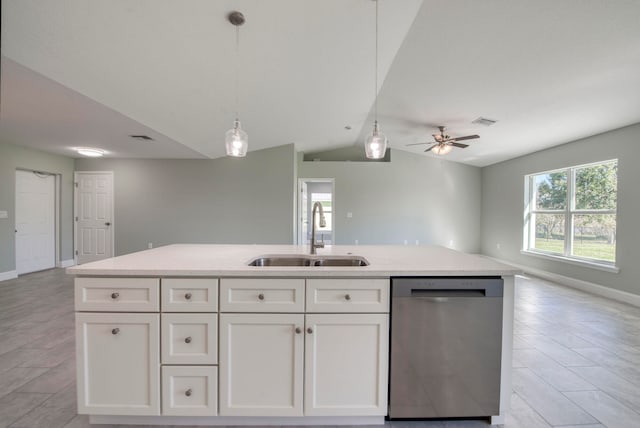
x=93, y=216
x=35, y=222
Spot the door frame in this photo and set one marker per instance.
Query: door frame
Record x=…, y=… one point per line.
x=75, y=211
x=298, y=224
x=57, y=213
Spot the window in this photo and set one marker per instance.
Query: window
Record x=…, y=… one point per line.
x=571, y=213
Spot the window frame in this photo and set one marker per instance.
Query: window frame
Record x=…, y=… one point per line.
x=569, y=212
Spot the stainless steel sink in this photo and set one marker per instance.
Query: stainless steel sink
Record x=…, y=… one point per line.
x=303, y=260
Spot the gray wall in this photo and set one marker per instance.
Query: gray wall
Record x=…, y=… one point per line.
x=503, y=205
x=220, y=201
x=16, y=157
x=411, y=198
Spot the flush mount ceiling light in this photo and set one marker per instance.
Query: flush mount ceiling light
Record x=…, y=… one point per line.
x=91, y=152
x=375, y=146
x=236, y=140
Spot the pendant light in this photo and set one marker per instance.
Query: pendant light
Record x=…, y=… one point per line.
x=375, y=146
x=236, y=140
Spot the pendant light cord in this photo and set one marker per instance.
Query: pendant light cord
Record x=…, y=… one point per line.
x=376, y=71
x=237, y=70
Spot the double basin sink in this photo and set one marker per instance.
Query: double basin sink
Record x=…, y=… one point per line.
x=282, y=260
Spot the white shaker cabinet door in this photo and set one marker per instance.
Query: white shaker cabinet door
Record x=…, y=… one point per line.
x=261, y=358
x=118, y=363
x=346, y=359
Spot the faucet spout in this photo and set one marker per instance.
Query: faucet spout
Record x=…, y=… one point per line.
x=323, y=223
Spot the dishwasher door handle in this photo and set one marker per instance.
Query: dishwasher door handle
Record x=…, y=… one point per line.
x=422, y=293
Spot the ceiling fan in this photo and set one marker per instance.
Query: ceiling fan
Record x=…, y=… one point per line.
x=443, y=143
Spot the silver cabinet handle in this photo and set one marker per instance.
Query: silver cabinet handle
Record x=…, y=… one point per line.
x=115, y=295
x=260, y=296
x=115, y=331
x=347, y=297
x=309, y=330
x=188, y=392
x=298, y=330
x=187, y=296
x=187, y=339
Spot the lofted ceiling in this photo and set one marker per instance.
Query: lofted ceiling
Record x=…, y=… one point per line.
x=78, y=73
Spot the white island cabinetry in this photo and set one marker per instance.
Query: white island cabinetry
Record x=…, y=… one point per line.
x=304, y=364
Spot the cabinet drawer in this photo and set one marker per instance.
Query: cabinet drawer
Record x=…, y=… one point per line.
x=189, y=295
x=117, y=294
x=348, y=295
x=189, y=338
x=190, y=390
x=261, y=295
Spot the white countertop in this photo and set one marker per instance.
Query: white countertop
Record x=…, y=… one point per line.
x=231, y=260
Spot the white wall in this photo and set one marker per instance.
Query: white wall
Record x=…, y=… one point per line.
x=221, y=201
x=411, y=198
x=503, y=205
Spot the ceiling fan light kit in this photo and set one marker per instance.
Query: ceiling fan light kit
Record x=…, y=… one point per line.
x=236, y=140
x=90, y=152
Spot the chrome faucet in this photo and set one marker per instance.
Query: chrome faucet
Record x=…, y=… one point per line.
x=323, y=223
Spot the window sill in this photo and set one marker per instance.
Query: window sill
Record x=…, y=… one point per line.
x=577, y=262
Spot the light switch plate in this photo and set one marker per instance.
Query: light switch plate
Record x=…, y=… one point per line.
x=4, y=214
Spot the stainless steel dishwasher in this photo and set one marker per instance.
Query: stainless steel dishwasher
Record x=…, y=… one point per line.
x=446, y=343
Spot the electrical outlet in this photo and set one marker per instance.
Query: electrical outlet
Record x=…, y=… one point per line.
x=4, y=214
x=150, y=245
x=417, y=242
x=406, y=242
x=498, y=245
x=349, y=215
x=356, y=242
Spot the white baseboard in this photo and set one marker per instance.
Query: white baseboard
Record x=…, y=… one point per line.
x=67, y=263
x=10, y=274
x=589, y=287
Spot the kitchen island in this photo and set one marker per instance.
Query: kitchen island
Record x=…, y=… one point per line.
x=191, y=334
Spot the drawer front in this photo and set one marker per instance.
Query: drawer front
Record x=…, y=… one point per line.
x=261, y=295
x=189, y=338
x=190, y=390
x=189, y=295
x=117, y=294
x=348, y=295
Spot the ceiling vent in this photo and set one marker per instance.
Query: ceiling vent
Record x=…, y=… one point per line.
x=141, y=137
x=484, y=121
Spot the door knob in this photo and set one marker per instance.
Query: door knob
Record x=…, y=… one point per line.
x=107, y=224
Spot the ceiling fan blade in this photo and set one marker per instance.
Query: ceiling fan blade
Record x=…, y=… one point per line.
x=429, y=149
x=417, y=144
x=468, y=137
x=462, y=146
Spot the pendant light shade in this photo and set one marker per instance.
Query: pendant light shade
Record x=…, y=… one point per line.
x=375, y=145
x=236, y=140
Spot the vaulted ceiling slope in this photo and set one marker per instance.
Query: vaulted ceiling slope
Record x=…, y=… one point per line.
x=550, y=72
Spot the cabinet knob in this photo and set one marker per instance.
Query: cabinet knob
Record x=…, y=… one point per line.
x=187, y=339
x=187, y=296
x=260, y=296
x=347, y=297
x=115, y=331
x=188, y=392
x=309, y=330
x=115, y=295
x=298, y=330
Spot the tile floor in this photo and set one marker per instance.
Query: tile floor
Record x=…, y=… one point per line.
x=576, y=359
